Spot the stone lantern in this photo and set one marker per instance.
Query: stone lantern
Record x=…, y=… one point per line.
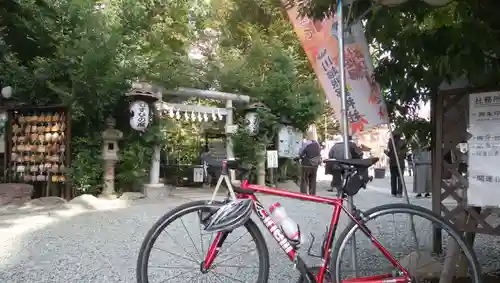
x=110, y=137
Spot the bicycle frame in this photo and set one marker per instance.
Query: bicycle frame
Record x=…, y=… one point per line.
x=247, y=190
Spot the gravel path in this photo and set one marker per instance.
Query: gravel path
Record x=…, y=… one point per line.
x=101, y=246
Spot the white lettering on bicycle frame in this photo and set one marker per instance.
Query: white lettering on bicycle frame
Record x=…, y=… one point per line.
x=274, y=230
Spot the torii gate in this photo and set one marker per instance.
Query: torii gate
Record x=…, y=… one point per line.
x=229, y=98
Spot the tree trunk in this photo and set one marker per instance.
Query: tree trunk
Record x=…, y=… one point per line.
x=456, y=264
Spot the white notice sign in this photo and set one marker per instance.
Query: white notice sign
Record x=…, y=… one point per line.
x=484, y=149
x=289, y=142
x=272, y=159
x=198, y=175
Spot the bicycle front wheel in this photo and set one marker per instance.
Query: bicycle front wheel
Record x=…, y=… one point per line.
x=422, y=265
x=175, y=247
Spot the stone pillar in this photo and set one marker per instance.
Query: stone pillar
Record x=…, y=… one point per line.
x=110, y=137
x=261, y=171
x=229, y=125
x=154, y=173
x=155, y=189
x=108, y=190
x=230, y=130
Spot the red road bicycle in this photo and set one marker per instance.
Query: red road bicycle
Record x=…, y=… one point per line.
x=330, y=268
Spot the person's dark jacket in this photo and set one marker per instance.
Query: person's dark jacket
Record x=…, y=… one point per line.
x=337, y=151
x=310, y=151
x=400, y=153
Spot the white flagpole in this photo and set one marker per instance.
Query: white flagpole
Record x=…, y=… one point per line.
x=345, y=121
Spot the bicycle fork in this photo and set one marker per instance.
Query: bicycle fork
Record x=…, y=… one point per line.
x=213, y=251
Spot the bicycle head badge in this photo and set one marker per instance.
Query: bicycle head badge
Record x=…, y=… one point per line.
x=230, y=216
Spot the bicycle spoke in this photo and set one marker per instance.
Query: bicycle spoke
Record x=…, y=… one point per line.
x=178, y=244
x=190, y=238
x=193, y=278
x=177, y=255
x=237, y=266
x=233, y=257
x=227, y=248
x=177, y=262
x=172, y=277
x=175, y=267
x=421, y=264
x=230, y=277
x=216, y=276
x=201, y=238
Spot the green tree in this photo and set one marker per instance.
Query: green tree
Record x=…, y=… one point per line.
x=259, y=55
x=327, y=125
x=418, y=46
x=85, y=56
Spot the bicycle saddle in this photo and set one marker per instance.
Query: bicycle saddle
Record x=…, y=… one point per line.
x=238, y=165
x=359, y=163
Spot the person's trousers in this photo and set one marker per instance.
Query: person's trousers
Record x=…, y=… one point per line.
x=308, y=180
x=336, y=179
x=396, y=184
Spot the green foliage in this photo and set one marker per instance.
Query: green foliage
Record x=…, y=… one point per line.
x=85, y=56
x=182, y=140
x=327, y=125
x=249, y=148
x=133, y=166
x=86, y=171
x=70, y=52
x=417, y=47
x=269, y=76
x=259, y=55
x=417, y=132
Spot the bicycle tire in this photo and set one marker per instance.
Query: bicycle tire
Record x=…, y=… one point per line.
x=172, y=215
x=410, y=209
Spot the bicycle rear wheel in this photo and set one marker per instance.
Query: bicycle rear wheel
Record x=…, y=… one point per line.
x=182, y=260
x=422, y=266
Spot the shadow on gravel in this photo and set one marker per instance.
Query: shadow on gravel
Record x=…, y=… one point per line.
x=78, y=246
x=101, y=246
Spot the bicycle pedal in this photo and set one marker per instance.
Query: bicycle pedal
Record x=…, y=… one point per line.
x=309, y=252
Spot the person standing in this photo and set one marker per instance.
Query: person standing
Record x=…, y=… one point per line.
x=310, y=156
x=337, y=152
x=395, y=157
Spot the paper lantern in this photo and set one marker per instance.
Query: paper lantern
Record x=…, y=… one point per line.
x=139, y=119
